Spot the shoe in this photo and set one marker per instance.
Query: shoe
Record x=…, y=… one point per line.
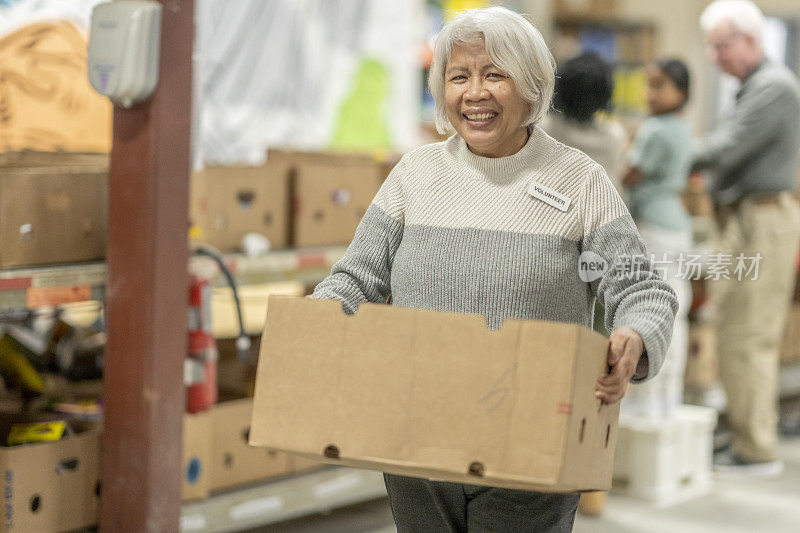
x=728, y=465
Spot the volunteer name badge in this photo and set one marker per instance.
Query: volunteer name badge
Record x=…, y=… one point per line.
x=549, y=196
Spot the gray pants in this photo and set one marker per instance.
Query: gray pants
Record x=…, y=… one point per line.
x=420, y=505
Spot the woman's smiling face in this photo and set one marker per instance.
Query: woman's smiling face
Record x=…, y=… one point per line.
x=482, y=103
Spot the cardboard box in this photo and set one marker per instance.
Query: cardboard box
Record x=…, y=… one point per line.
x=790, y=351
x=196, y=465
x=229, y=202
x=590, y=9
x=235, y=379
x=331, y=195
x=303, y=464
x=253, y=299
x=701, y=358
x=233, y=461
x=437, y=395
x=53, y=213
x=50, y=486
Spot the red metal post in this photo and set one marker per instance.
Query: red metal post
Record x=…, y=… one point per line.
x=146, y=294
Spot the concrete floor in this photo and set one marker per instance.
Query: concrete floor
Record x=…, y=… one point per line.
x=753, y=505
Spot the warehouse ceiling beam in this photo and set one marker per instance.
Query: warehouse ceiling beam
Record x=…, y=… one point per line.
x=146, y=295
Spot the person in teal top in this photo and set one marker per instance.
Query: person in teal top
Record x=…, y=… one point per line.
x=661, y=155
x=659, y=164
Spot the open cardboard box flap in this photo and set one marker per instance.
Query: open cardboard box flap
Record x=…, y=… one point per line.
x=435, y=394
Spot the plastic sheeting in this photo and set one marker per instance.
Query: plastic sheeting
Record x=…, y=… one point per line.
x=307, y=74
x=286, y=73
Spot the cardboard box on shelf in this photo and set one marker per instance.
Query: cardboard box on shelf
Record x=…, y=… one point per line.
x=196, y=463
x=434, y=394
x=235, y=379
x=253, y=299
x=229, y=202
x=331, y=194
x=586, y=9
x=233, y=461
x=54, y=211
x=635, y=44
x=50, y=486
x=701, y=358
x=790, y=351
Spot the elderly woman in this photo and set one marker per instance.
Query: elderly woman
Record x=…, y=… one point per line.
x=493, y=221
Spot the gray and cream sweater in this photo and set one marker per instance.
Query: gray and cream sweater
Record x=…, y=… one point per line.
x=453, y=231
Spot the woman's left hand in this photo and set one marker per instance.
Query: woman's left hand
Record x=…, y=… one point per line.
x=623, y=356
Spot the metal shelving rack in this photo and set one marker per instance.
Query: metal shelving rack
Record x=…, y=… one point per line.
x=305, y=265
x=283, y=499
x=300, y=494
x=251, y=506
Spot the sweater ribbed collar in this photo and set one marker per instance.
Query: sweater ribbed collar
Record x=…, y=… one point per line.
x=500, y=169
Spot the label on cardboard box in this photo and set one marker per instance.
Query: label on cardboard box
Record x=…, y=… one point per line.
x=53, y=296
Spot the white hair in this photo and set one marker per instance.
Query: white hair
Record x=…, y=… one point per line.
x=513, y=45
x=743, y=15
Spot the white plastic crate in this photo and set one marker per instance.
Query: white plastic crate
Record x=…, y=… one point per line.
x=666, y=461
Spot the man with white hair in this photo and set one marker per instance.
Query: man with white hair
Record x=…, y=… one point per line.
x=752, y=157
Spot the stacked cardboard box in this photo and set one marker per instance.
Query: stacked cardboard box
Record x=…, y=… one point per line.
x=55, y=486
x=226, y=203
x=299, y=199
x=253, y=301
x=217, y=454
x=196, y=462
x=55, y=205
x=50, y=486
x=233, y=461
x=55, y=208
x=331, y=192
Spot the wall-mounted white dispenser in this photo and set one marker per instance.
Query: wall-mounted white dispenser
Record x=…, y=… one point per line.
x=124, y=46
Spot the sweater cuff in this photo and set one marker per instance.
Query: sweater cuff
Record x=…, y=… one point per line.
x=655, y=345
x=642, y=368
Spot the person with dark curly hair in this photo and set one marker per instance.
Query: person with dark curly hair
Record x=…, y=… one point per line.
x=583, y=87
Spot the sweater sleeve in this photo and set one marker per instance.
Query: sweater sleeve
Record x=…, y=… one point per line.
x=632, y=293
x=749, y=127
x=363, y=273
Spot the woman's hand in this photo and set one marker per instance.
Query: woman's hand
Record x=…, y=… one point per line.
x=623, y=356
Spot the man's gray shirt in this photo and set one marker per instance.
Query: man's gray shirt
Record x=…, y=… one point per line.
x=756, y=147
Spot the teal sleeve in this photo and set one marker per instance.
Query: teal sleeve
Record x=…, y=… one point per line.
x=650, y=151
